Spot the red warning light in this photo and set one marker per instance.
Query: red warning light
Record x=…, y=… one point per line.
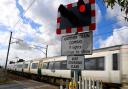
x=82, y=8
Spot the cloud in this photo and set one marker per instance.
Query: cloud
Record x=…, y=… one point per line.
x=22, y=46
x=21, y=31
x=4, y=38
x=116, y=13
x=23, y=54
x=8, y=12
x=98, y=14
x=43, y=12
x=118, y=37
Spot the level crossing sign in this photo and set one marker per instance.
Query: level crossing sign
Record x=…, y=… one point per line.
x=76, y=17
x=78, y=44
x=75, y=62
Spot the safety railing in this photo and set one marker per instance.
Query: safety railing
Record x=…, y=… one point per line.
x=86, y=83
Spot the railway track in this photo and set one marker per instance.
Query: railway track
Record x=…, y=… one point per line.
x=19, y=82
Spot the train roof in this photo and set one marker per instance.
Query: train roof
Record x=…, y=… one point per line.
x=111, y=48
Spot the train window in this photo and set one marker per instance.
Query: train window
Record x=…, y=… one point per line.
x=57, y=65
x=45, y=65
x=19, y=66
x=90, y=64
x=25, y=65
x=51, y=66
x=34, y=65
x=63, y=65
x=115, y=61
x=94, y=63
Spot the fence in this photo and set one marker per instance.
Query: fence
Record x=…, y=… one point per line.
x=87, y=83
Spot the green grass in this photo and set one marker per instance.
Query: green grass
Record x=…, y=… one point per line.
x=5, y=81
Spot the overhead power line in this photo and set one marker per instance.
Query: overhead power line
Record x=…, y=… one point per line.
x=25, y=12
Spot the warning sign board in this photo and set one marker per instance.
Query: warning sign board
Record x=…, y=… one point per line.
x=79, y=44
x=75, y=62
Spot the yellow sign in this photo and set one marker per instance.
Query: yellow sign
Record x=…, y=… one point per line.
x=72, y=84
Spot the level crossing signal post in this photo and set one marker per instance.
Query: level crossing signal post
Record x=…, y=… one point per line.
x=76, y=18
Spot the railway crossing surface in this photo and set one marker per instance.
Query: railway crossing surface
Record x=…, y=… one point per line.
x=28, y=84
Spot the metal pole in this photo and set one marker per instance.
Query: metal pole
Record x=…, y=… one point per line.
x=46, y=50
x=8, y=52
x=80, y=82
x=76, y=78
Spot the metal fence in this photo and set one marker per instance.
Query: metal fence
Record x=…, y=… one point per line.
x=86, y=83
x=90, y=83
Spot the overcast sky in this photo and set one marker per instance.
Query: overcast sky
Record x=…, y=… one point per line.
x=38, y=27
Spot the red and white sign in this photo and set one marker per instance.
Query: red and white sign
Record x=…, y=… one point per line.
x=91, y=27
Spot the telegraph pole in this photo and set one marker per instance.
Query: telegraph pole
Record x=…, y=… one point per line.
x=8, y=52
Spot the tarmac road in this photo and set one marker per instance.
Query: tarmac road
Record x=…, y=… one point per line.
x=28, y=84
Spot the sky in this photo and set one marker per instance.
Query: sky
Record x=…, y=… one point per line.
x=37, y=26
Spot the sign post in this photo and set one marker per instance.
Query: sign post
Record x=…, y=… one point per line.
x=77, y=18
x=75, y=63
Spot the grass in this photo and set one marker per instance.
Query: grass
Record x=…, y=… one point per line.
x=4, y=78
x=6, y=81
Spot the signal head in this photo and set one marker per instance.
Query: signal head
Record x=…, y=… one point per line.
x=82, y=8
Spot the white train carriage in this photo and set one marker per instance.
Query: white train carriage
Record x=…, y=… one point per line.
x=34, y=67
x=10, y=66
x=108, y=64
x=19, y=66
x=14, y=67
x=26, y=67
x=56, y=67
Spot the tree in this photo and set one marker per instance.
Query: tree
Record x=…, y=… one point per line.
x=122, y=3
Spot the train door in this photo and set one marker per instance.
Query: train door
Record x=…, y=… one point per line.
x=39, y=68
x=51, y=66
x=115, y=69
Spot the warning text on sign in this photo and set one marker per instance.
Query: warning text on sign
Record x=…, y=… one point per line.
x=75, y=62
x=79, y=44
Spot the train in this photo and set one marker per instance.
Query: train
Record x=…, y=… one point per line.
x=107, y=64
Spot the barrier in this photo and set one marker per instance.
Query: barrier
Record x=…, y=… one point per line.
x=90, y=83
x=86, y=83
